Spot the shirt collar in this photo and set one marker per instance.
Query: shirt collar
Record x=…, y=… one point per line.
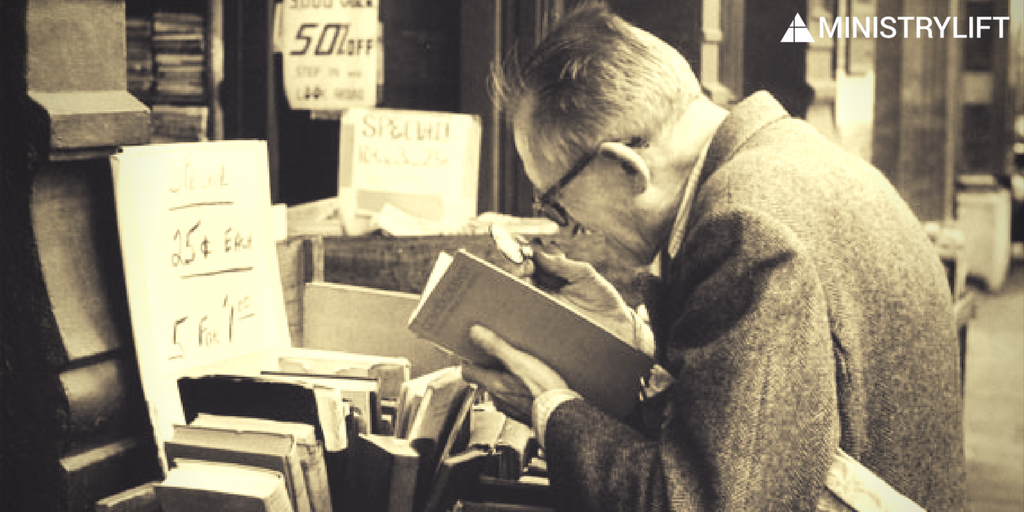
x=679, y=226
x=744, y=120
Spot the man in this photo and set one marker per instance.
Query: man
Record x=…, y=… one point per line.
x=801, y=307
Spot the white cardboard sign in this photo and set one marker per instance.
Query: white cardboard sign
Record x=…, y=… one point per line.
x=200, y=262
x=330, y=53
x=424, y=164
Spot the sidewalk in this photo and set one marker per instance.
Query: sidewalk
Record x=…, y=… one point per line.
x=994, y=398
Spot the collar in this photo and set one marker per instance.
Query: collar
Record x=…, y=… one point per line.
x=744, y=120
x=690, y=189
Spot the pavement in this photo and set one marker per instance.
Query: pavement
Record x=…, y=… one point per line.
x=994, y=397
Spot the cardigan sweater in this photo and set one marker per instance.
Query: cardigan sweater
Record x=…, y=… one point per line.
x=805, y=310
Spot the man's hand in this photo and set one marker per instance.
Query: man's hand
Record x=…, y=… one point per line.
x=590, y=294
x=524, y=378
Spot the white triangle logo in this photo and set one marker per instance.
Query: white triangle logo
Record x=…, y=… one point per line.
x=797, y=32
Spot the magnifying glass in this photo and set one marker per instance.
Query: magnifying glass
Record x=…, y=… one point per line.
x=517, y=249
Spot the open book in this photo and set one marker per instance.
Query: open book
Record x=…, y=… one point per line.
x=464, y=290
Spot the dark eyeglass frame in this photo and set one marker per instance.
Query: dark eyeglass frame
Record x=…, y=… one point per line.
x=546, y=203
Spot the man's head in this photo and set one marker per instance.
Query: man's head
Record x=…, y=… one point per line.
x=596, y=109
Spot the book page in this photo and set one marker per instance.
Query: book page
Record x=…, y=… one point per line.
x=444, y=260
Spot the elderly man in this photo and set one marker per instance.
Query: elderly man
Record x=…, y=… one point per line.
x=800, y=308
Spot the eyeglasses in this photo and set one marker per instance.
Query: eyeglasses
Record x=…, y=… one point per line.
x=547, y=204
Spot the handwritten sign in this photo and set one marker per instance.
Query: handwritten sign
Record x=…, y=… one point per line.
x=330, y=53
x=200, y=261
x=425, y=164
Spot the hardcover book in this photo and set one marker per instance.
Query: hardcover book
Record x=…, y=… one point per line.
x=465, y=290
x=382, y=475
x=203, y=485
x=257, y=397
x=268, y=450
x=310, y=450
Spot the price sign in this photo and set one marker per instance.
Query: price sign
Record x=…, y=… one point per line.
x=330, y=53
x=200, y=261
x=425, y=164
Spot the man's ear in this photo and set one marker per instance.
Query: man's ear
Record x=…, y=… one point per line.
x=630, y=160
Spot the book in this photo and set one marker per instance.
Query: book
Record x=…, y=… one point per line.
x=464, y=290
x=203, y=485
x=382, y=474
x=413, y=392
x=269, y=450
x=390, y=372
x=487, y=424
x=455, y=478
x=513, y=449
x=508, y=443
x=409, y=398
x=179, y=59
x=141, y=498
x=535, y=492
x=435, y=413
x=360, y=392
x=310, y=450
x=259, y=397
x=458, y=434
x=275, y=399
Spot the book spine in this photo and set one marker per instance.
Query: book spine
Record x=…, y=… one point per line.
x=302, y=499
x=184, y=499
x=314, y=468
x=137, y=499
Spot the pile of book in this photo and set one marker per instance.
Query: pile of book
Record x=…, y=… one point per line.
x=179, y=47
x=178, y=123
x=139, y=43
x=221, y=462
x=450, y=449
x=334, y=431
x=179, y=78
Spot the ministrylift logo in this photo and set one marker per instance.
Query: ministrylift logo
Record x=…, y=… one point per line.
x=888, y=27
x=797, y=32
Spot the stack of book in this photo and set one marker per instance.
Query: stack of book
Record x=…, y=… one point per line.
x=197, y=485
x=225, y=460
x=178, y=123
x=179, y=46
x=398, y=473
x=301, y=419
x=139, y=42
x=179, y=78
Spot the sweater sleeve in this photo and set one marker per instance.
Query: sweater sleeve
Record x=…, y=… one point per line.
x=749, y=422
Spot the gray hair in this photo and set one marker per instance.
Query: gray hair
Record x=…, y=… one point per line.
x=595, y=77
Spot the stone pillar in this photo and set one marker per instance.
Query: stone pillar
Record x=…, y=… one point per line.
x=75, y=426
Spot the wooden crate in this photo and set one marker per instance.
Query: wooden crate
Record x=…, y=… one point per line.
x=333, y=317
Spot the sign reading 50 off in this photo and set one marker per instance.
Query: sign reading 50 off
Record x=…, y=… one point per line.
x=330, y=50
